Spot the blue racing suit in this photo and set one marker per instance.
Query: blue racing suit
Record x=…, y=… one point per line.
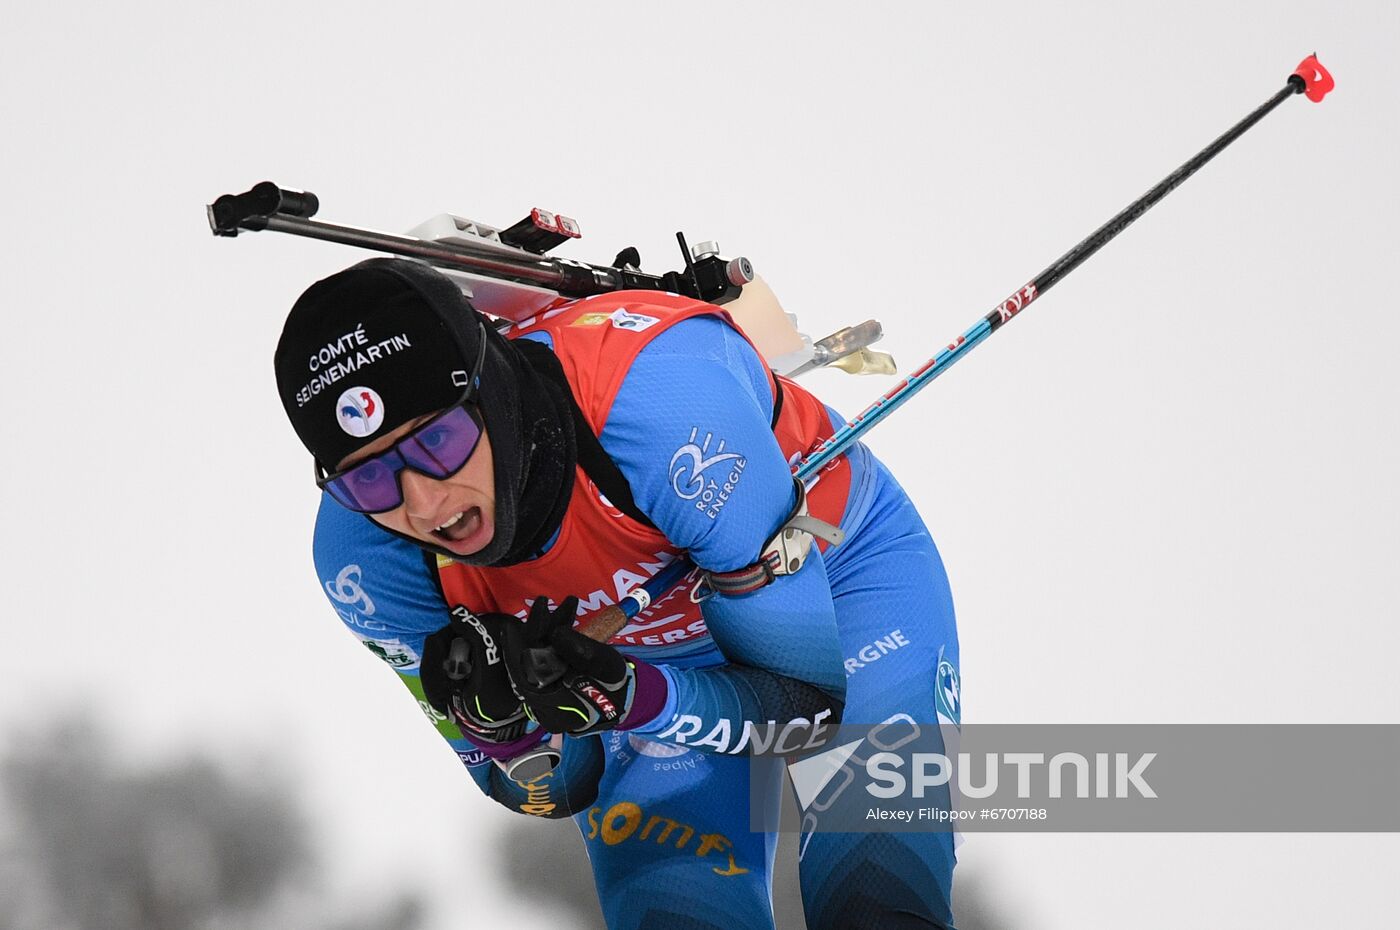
x=664, y=808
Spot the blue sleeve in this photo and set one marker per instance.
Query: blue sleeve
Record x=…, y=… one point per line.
x=385, y=591
x=691, y=431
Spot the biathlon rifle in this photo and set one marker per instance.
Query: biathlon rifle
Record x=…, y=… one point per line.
x=509, y=275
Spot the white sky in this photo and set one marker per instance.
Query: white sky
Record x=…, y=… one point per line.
x=1165, y=495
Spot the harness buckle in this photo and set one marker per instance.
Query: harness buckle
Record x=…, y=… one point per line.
x=784, y=554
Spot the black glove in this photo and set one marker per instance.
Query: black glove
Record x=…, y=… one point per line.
x=464, y=676
x=570, y=683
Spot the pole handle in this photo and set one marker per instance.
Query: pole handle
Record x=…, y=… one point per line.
x=604, y=625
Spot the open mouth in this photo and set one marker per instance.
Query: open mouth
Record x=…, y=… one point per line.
x=461, y=525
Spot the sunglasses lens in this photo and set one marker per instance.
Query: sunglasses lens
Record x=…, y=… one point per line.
x=369, y=488
x=442, y=447
x=438, y=449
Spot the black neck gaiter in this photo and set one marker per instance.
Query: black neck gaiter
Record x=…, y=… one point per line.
x=535, y=461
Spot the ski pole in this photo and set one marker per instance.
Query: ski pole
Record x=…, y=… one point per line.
x=1309, y=77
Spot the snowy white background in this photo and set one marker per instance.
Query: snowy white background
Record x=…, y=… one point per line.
x=1166, y=494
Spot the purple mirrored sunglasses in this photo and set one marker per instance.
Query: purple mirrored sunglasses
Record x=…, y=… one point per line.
x=439, y=449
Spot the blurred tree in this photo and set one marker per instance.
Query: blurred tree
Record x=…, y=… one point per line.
x=178, y=846
x=552, y=848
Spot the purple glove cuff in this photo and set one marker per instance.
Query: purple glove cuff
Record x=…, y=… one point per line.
x=508, y=751
x=649, y=696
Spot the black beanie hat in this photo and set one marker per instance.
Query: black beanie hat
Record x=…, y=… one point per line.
x=362, y=353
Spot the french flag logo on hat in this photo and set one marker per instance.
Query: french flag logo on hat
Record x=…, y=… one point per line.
x=360, y=411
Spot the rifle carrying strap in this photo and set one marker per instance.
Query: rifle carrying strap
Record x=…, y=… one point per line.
x=596, y=462
x=603, y=471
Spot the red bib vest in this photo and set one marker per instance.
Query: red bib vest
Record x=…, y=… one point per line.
x=600, y=553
